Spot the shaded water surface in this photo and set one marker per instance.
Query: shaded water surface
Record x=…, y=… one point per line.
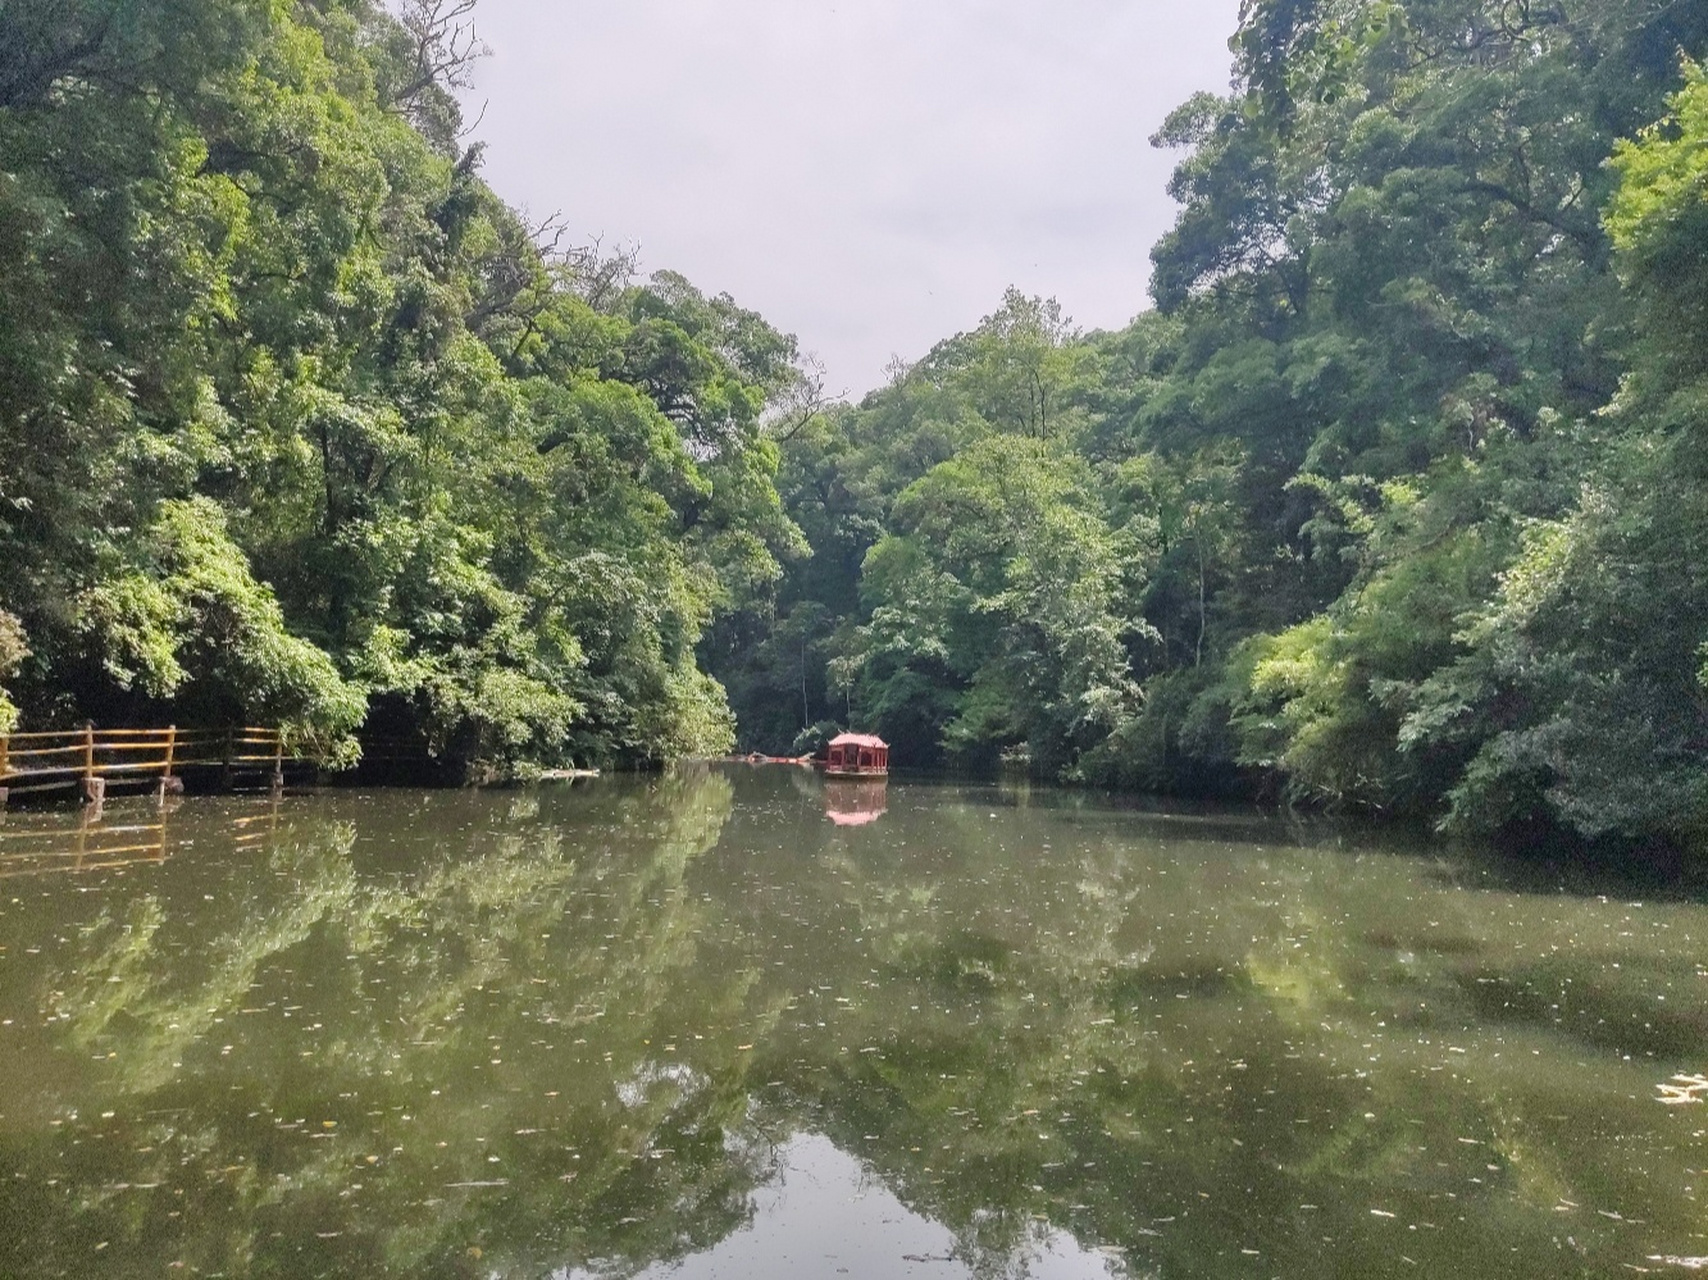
x=698, y=1026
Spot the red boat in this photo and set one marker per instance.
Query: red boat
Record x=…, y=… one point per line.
x=857, y=755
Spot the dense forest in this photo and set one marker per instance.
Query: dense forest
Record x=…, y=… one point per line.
x=301, y=424
x=1396, y=499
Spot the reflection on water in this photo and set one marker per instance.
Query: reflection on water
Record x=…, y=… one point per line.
x=128, y=836
x=686, y=1025
x=822, y=1215
x=855, y=803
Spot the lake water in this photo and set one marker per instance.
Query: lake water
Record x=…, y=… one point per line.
x=729, y=1023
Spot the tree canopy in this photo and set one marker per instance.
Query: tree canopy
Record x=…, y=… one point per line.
x=301, y=422
x=1395, y=498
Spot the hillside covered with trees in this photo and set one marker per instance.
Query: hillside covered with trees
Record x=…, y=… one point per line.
x=300, y=423
x=1396, y=499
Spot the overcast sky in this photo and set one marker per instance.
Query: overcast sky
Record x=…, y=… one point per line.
x=867, y=174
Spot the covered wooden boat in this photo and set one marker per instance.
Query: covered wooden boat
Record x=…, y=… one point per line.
x=857, y=755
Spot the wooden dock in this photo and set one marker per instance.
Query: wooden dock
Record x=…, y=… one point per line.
x=88, y=760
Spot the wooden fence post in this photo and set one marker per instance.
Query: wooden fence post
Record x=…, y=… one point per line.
x=279, y=764
x=168, y=784
x=5, y=792
x=94, y=789
x=225, y=769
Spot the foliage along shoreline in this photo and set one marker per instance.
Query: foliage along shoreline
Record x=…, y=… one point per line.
x=1394, y=501
x=302, y=424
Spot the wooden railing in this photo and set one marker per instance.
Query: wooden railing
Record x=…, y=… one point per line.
x=88, y=759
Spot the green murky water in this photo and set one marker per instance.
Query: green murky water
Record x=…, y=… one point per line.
x=699, y=1026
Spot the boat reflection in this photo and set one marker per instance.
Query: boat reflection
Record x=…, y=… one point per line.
x=855, y=803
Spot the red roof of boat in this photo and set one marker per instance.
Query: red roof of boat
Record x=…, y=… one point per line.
x=859, y=740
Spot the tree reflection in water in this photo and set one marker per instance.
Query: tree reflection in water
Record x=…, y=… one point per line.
x=590, y=1032
x=822, y=1214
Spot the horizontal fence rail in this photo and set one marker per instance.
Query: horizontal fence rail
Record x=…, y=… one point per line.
x=89, y=758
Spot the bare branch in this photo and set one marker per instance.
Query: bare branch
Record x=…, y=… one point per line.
x=468, y=130
x=548, y=235
x=597, y=276
x=532, y=260
x=446, y=45
x=804, y=400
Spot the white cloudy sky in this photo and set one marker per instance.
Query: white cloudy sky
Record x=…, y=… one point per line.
x=868, y=174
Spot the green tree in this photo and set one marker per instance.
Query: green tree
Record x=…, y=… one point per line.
x=271, y=349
